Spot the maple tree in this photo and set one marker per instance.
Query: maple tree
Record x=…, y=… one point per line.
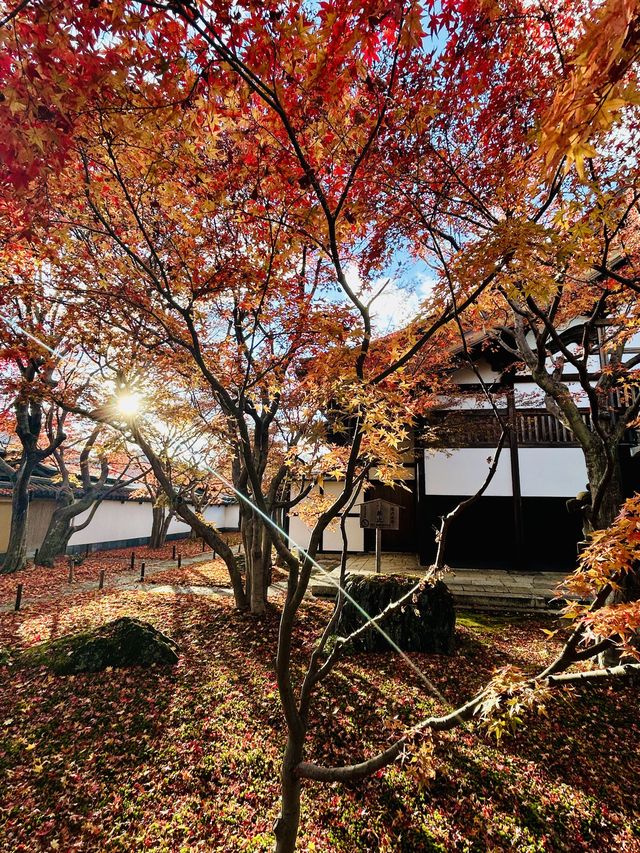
x=78, y=491
x=29, y=411
x=609, y=564
x=560, y=195
x=141, y=213
x=538, y=175
x=213, y=194
x=186, y=448
x=28, y=340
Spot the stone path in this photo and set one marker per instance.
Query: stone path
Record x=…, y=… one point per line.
x=130, y=580
x=482, y=589
x=175, y=589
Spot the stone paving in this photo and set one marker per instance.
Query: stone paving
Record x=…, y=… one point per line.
x=482, y=589
x=486, y=589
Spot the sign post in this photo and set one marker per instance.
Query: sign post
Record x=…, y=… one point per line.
x=379, y=515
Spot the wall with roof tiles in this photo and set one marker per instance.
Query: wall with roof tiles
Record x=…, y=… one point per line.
x=115, y=524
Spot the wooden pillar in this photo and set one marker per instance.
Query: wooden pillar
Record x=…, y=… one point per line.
x=519, y=558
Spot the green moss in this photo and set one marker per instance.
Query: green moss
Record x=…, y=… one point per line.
x=53, y=654
x=123, y=642
x=489, y=623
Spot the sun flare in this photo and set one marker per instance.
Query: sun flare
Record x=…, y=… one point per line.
x=129, y=404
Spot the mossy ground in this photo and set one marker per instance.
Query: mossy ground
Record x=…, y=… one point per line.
x=186, y=758
x=52, y=654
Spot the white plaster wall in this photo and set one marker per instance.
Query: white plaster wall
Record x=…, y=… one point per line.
x=634, y=342
x=528, y=395
x=544, y=472
x=300, y=533
x=332, y=540
x=230, y=516
x=463, y=471
x=117, y=520
x=593, y=362
x=472, y=402
x=558, y=472
x=467, y=376
x=40, y=512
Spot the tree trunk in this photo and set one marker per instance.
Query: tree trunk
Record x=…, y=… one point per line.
x=158, y=527
x=203, y=528
x=258, y=597
x=246, y=530
x=166, y=524
x=286, y=828
x=613, y=493
x=16, y=556
x=268, y=566
x=256, y=561
x=58, y=533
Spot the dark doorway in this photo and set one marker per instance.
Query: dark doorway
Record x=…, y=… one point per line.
x=483, y=537
x=403, y=539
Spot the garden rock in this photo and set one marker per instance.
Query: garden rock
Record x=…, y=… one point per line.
x=426, y=623
x=121, y=643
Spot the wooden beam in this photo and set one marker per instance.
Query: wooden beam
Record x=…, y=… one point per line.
x=516, y=491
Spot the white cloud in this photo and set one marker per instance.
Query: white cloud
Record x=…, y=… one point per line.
x=398, y=301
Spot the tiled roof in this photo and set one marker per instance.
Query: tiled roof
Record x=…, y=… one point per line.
x=42, y=487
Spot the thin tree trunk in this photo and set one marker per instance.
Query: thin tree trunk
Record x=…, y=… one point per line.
x=257, y=550
x=246, y=526
x=16, y=556
x=286, y=828
x=257, y=599
x=166, y=524
x=254, y=542
x=268, y=564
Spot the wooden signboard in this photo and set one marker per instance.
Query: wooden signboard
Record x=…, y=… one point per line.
x=379, y=515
